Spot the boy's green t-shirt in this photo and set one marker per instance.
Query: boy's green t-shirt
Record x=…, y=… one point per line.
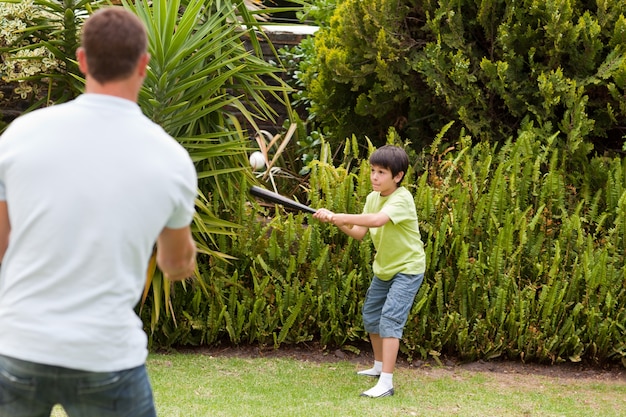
x=398, y=244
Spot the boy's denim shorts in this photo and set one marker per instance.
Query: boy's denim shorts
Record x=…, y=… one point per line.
x=388, y=303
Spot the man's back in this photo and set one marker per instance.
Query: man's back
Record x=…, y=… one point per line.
x=87, y=189
x=90, y=186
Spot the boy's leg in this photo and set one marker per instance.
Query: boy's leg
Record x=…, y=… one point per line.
x=384, y=387
x=377, y=348
x=372, y=309
x=390, y=346
x=394, y=315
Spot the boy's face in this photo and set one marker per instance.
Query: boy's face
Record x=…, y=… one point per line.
x=383, y=180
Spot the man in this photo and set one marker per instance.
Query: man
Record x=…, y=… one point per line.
x=86, y=189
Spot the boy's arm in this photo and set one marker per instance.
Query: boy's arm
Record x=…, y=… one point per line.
x=354, y=225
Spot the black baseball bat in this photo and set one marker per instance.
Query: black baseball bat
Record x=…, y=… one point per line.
x=273, y=197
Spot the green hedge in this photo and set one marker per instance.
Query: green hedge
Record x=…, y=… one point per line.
x=489, y=65
x=525, y=261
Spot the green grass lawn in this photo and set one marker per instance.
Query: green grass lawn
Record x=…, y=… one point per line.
x=198, y=385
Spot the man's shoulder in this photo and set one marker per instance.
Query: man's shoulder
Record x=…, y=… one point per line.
x=44, y=118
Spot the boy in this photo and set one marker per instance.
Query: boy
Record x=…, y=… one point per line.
x=399, y=264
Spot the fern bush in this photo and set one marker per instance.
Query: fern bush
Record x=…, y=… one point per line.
x=522, y=261
x=287, y=285
x=525, y=260
x=287, y=279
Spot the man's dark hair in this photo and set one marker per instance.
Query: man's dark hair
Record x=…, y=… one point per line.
x=392, y=158
x=113, y=39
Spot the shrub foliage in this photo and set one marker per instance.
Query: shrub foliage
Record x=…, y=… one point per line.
x=522, y=262
x=490, y=65
x=525, y=239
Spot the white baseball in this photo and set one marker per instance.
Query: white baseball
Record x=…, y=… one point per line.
x=257, y=160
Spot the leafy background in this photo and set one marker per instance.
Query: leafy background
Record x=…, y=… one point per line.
x=512, y=124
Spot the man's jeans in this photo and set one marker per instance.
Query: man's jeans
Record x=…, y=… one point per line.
x=31, y=390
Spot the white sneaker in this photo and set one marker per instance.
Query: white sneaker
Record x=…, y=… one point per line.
x=374, y=393
x=370, y=372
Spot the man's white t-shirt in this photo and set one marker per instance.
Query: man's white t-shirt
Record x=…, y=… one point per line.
x=89, y=186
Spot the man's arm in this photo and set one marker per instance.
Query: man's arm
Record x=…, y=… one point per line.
x=5, y=228
x=176, y=253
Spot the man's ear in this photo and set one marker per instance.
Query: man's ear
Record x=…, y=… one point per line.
x=142, y=65
x=398, y=177
x=81, y=57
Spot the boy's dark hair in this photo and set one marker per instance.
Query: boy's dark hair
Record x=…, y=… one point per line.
x=392, y=158
x=114, y=40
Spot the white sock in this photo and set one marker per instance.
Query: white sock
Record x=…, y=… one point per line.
x=383, y=388
x=386, y=380
x=375, y=371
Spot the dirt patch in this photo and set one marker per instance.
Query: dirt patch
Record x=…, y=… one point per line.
x=362, y=354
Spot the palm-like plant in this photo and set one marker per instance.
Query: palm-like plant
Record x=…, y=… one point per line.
x=200, y=76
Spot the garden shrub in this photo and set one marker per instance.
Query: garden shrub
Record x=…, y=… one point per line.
x=491, y=66
x=521, y=263
x=525, y=238
x=38, y=44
